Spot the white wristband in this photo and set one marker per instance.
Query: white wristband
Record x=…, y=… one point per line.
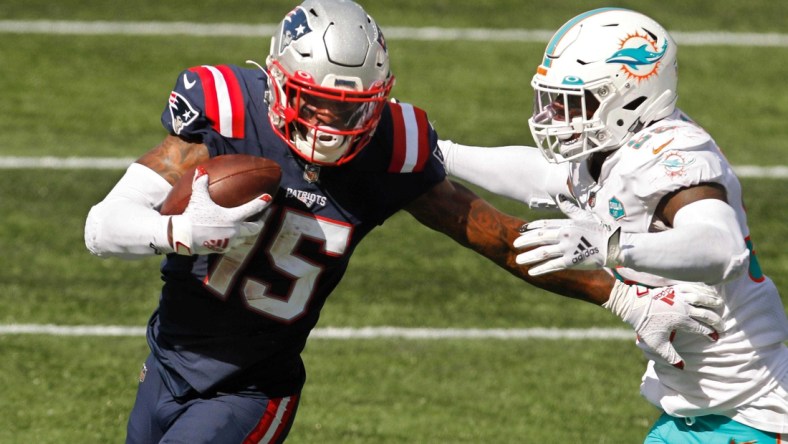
x=619, y=301
x=181, y=235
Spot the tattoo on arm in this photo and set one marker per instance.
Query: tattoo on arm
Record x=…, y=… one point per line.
x=173, y=157
x=476, y=224
x=491, y=233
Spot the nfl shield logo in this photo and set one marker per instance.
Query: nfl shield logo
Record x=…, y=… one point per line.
x=311, y=173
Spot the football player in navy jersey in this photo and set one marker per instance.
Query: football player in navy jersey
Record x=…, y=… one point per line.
x=226, y=339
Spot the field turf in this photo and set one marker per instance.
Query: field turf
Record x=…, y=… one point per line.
x=102, y=95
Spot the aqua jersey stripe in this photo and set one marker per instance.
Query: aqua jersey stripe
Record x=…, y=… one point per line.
x=569, y=25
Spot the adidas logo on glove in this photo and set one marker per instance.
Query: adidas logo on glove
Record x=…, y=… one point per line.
x=584, y=250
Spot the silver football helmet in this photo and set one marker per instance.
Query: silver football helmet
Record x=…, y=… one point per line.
x=605, y=75
x=328, y=80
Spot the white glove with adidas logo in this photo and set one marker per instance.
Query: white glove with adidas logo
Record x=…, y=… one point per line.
x=582, y=242
x=205, y=227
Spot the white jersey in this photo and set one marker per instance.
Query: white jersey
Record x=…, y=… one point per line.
x=744, y=375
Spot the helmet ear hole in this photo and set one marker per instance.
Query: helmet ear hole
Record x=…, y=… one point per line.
x=633, y=105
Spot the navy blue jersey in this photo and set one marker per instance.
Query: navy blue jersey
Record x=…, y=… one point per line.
x=242, y=319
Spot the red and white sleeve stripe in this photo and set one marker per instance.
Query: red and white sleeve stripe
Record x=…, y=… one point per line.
x=411, y=138
x=224, y=102
x=274, y=421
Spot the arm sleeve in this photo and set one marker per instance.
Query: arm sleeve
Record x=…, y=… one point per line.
x=517, y=172
x=705, y=244
x=126, y=223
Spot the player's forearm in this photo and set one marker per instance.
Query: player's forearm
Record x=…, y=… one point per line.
x=125, y=224
x=457, y=212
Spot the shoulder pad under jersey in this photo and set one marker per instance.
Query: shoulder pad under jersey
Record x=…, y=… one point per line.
x=670, y=155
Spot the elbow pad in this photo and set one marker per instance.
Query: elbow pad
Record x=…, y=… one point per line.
x=126, y=223
x=705, y=244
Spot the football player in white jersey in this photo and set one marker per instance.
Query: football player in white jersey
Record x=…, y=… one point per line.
x=650, y=198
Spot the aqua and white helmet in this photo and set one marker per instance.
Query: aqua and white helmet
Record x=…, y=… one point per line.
x=327, y=55
x=605, y=75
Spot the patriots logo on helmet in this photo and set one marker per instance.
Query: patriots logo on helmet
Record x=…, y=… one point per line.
x=294, y=26
x=181, y=112
x=382, y=40
x=639, y=56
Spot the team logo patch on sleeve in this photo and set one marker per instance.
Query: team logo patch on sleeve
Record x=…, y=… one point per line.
x=181, y=112
x=676, y=163
x=616, y=208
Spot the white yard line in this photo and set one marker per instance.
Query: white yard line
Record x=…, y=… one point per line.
x=118, y=163
x=345, y=333
x=264, y=30
x=703, y=38
x=65, y=163
x=247, y=30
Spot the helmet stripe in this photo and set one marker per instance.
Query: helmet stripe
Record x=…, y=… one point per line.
x=569, y=25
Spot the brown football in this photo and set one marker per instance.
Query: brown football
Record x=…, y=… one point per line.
x=233, y=180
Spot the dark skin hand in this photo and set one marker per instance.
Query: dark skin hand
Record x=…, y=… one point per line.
x=449, y=208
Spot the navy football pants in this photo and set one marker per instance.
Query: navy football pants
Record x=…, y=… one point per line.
x=225, y=418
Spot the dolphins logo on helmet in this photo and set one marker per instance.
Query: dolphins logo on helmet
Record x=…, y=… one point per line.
x=606, y=74
x=639, y=62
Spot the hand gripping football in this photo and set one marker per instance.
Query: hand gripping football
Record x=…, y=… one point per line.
x=234, y=179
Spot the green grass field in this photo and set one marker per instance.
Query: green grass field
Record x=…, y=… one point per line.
x=102, y=95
